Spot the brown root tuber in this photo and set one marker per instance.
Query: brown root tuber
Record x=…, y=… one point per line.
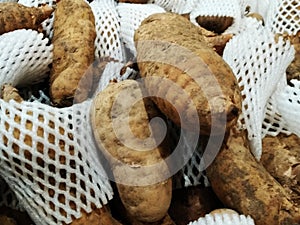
x=244, y=185
x=185, y=74
x=140, y=175
x=15, y=16
x=73, y=48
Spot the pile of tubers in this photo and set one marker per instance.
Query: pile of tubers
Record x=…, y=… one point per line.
x=187, y=82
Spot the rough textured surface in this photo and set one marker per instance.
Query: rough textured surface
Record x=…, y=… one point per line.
x=191, y=75
x=73, y=48
x=97, y=217
x=145, y=199
x=189, y=204
x=281, y=157
x=15, y=16
x=244, y=185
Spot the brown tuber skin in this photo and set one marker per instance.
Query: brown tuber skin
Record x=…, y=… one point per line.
x=281, y=158
x=145, y=194
x=168, y=47
x=244, y=185
x=73, y=49
x=15, y=16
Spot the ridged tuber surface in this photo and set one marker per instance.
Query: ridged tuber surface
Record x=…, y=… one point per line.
x=281, y=158
x=145, y=194
x=15, y=16
x=244, y=185
x=73, y=48
x=171, y=48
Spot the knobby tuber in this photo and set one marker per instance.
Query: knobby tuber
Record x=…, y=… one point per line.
x=73, y=48
x=140, y=175
x=15, y=16
x=182, y=73
x=244, y=185
x=281, y=158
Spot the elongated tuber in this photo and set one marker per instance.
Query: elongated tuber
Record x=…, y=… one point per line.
x=73, y=48
x=243, y=184
x=189, y=81
x=140, y=174
x=15, y=16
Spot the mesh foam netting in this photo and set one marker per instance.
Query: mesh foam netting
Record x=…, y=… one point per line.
x=131, y=16
x=285, y=17
x=107, y=42
x=49, y=160
x=220, y=8
x=24, y=58
x=288, y=105
x=259, y=64
x=224, y=219
x=48, y=23
x=176, y=6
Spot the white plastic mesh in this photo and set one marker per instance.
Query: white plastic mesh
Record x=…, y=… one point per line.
x=286, y=17
x=131, y=16
x=224, y=219
x=48, y=158
x=288, y=104
x=48, y=23
x=230, y=8
x=24, y=58
x=259, y=64
x=176, y=6
x=107, y=42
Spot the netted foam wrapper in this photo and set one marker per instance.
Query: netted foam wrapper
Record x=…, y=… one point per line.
x=108, y=42
x=49, y=159
x=284, y=17
x=47, y=24
x=24, y=58
x=8, y=198
x=218, y=8
x=176, y=6
x=259, y=62
x=288, y=105
x=131, y=16
x=224, y=219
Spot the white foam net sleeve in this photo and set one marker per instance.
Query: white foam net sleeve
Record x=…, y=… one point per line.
x=284, y=17
x=131, y=16
x=108, y=42
x=223, y=219
x=7, y=197
x=176, y=6
x=112, y=73
x=259, y=64
x=229, y=8
x=49, y=159
x=24, y=58
x=47, y=24
x=288, y=104
x=273, y=123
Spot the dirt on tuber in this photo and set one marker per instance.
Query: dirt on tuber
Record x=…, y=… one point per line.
x=243, y=184
x=140, y=174
x=73, y=49
x=15, y=16
x=184, y=74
